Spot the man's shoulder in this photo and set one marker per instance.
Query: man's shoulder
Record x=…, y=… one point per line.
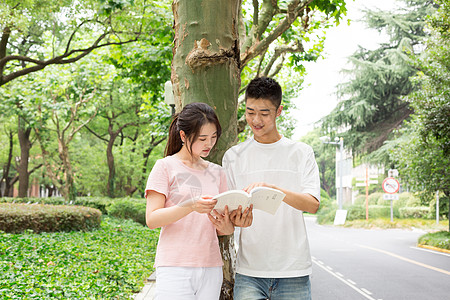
x=297, y=145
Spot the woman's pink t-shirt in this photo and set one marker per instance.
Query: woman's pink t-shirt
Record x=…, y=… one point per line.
x=191, y=241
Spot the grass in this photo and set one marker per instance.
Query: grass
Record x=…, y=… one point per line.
x=110, y=263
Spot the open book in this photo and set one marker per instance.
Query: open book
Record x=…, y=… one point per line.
x=263, y=198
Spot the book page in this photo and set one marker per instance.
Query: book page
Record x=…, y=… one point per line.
x=266, y=199
x=233, y=199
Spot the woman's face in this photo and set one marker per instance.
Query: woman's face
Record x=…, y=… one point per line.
x=205, y=141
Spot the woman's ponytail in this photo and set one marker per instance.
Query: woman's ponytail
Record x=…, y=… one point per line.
x=174, y=142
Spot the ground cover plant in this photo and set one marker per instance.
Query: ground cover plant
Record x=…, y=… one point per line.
x=110, y=263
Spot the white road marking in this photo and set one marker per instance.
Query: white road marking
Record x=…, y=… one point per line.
x=431, y=251
x=344, y=281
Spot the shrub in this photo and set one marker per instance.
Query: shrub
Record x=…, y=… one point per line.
x=420, y=212
x=15, y=218
x=375, y=198
x=439, y=239
x=326, y=214
x=129, y=208
x=356, y=212
x=100, y=203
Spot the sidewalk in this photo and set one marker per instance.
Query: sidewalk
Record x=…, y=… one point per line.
x=148, y=291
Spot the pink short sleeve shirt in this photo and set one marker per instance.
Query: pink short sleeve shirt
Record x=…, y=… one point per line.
x=191, y=241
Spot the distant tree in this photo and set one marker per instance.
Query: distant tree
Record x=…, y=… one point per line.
x=423, y=151
x=326, y=160
x=39, y=33
x=65, y=106
x=371, y=103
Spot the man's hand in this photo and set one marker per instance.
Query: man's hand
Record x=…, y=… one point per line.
x=249, y=188
x=242, y=219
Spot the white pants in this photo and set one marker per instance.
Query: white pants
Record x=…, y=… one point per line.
x=185, y=283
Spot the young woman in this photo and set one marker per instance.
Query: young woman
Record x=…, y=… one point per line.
x=178, y=192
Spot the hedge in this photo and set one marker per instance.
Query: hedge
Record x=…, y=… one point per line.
x=421, y=212
x=18, y=217
x=129, y=208
x=100, y=203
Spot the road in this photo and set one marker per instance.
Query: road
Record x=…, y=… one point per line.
x=351, y=264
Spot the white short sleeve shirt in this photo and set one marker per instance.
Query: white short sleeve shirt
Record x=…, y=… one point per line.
x=274, y=246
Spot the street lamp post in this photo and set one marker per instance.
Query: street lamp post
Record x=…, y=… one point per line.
x=168, y=95
x=340, y=142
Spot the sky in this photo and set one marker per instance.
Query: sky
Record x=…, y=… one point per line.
x=317, y=98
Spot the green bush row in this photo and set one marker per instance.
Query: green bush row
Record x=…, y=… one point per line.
x=358, y=212
x=125, y=208
x=19, y=217
x=100, y=203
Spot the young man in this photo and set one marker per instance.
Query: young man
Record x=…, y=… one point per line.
x=274, y=260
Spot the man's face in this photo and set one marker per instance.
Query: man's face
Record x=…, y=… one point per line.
x=261, y=116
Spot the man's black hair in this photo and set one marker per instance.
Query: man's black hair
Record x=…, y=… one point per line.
x=264, y=88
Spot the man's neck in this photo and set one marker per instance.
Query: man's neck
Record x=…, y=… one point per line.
x=270, y=139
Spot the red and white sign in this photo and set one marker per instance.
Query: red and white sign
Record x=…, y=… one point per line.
x=390, y=185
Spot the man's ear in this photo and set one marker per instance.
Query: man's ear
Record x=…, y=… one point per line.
x=279, y=110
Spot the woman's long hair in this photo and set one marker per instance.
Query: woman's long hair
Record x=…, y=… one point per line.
x=190, y=120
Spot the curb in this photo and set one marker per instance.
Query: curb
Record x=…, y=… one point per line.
x=434, y=248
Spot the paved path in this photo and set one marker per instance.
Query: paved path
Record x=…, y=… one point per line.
x=148, y=292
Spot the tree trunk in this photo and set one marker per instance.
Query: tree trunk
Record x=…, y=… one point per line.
x=206, y=68
x=111, y=166
x=68, y=190
x=25, y=146
x=7, y=168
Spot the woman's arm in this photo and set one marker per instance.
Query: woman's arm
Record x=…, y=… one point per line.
x=156, y=215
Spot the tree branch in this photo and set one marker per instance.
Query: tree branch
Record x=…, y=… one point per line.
x=295, y=9
x=61, y=59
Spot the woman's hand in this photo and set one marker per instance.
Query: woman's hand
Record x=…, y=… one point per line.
x=242, y=219
x=203, y=205
x=222, y=222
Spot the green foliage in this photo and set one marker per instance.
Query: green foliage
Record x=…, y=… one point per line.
x=16, y=218
x=129, y=208
x=109, y=263
x=100, y=203
x=439, y=239
x=423, y=149
x=371, y=105
x=415, y=212
x=325, y=155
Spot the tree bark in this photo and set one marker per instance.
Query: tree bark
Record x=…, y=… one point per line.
x=110, y=160
x=25, y=146
x=206, y=68
x=7, y=168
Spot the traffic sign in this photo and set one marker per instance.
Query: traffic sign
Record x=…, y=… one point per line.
x=390, y=196
x=390, y=185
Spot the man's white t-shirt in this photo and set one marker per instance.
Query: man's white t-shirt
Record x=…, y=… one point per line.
x=274, y=246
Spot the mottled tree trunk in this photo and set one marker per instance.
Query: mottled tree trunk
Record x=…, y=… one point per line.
x=111, y=166
x=206, y=68
x=25, y=146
